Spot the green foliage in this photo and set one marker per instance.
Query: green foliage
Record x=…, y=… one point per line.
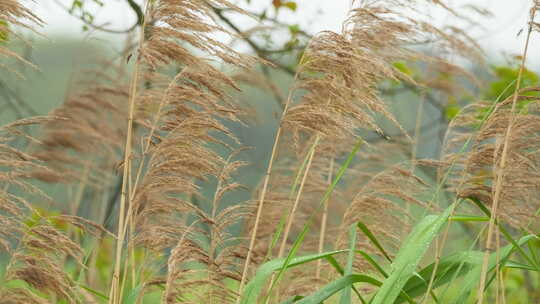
x=404, y=68
x=393, y=278
x=287, y=4
x=254, y=288
x=504, y=84
x=346, y=294
x=452, y=108
x=80, y=8
x=329, y=190
x=404, y=283
x=340, y=284
x=496, y=258
x=414, y=248
x=4, y=31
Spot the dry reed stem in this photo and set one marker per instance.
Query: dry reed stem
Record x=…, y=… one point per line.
x=291, y=214
x=114, y=294
x=499, y=172
x=345, y=85
x=190, y=108
x=324, y=220
x=260, y=204
x=41, y=249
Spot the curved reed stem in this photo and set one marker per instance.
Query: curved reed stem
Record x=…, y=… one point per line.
x=297, y=199
x=324, y=221
x=500, y=171
x=114, y=295
x=263, y=195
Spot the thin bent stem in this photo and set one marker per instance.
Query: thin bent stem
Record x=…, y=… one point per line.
x=329, y=191
x=297, y=199
x=289, y=214
x=263, y=195
x=283, y=218
x=500, y=173
x=114, y=295
x=324, y=222
x=445, y=177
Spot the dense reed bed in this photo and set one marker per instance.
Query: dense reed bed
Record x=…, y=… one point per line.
x=345, y=210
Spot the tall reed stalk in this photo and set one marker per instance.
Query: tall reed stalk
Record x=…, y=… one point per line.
x=500, y=167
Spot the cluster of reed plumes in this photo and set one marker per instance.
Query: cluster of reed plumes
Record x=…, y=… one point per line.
x=134, y=146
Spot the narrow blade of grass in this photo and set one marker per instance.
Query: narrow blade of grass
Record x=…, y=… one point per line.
x=505, y=233
x=472, y=278
x=517, y=265
x=329, y=190
x=449, y=268
x=372, y=262
x=374, y=240
x=333, y=287
x=346, y=294
x=133, y=295
x=254, y=287
x=283, y=219
x=334, y=263
x=94, y=292
x=469, y=218
x=414, y=248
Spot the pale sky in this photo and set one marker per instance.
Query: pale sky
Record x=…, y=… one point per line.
x=499, y=35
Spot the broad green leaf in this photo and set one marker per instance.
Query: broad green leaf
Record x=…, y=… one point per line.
x=254, y=287
x=473, y=277
x=449, y=268
x=333, y=287
x=408, y=257
x=505, y=233
x=346, y=295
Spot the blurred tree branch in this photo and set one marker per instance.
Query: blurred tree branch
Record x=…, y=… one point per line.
x=261, y=52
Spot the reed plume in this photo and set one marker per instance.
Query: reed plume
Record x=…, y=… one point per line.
x=340, y=73
x=89, y=132
x=167, y=134
x=37, y=248
x=12, y=13
x=475, y=168
x=180, y=116
x=380, y=204
x=336, y=93
x=213, y=248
